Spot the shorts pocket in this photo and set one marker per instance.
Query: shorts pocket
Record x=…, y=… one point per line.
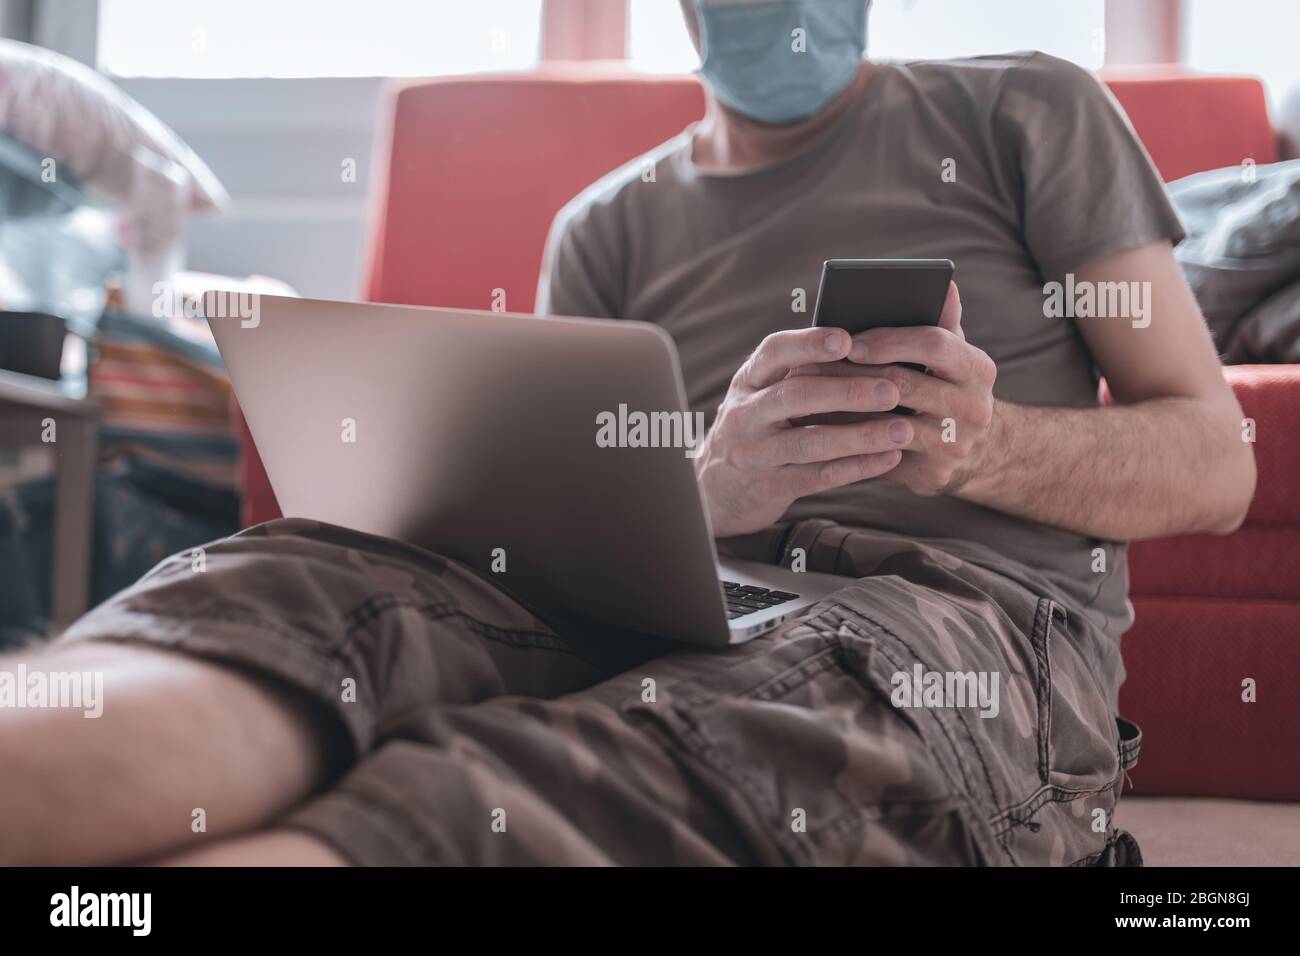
x=804, y=751
x=1079, y=741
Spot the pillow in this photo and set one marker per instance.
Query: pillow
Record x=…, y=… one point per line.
x=1243, y=238
x=68, y=112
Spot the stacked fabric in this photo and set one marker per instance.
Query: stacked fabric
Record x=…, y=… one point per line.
x=164, y=396
x=1242, y=257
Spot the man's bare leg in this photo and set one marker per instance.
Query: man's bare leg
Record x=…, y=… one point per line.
x=353, y=637
x=177, y=735
x=270, y=848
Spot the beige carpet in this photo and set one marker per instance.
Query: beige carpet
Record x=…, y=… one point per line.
x=1185, y=831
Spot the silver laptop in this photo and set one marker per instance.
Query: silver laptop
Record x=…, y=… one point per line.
x=510, y=443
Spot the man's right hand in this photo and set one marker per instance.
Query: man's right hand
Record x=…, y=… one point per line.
x=756, y=461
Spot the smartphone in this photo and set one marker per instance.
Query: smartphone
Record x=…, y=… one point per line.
x=861, y=294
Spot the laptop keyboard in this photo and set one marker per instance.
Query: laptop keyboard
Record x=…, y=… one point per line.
x=745, y=599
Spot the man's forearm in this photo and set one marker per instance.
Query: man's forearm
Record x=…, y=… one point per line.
x=1125, y=472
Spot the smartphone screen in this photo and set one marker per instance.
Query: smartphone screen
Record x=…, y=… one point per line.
x=861, y=294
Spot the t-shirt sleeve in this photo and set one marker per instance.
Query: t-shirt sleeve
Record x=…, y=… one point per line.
x=1085, y=185
x=580, y=274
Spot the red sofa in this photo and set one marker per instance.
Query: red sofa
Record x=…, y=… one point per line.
x=477, y=167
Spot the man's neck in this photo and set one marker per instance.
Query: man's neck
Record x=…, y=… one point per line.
x=727, y=142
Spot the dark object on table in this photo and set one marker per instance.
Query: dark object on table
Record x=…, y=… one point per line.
x=32, y=343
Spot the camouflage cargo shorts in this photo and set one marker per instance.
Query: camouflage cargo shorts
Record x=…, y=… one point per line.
x=484, y=734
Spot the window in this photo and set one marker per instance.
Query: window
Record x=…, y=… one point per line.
x=937, y=29
x=908, y=29
x=304, y=38
x=1225, y=36
x=657, y=41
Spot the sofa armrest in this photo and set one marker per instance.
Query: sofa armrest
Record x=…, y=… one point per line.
x=1262, y=559
x=1218, y=615
x=1270, y=398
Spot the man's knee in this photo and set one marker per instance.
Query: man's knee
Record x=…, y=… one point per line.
x=370, y=627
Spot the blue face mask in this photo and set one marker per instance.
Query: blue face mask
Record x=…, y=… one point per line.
x=781, y=61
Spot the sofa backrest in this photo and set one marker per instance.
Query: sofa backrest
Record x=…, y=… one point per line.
x=477, y=167
x=1191, y=123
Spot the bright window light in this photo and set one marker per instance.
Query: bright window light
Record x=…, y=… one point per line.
x=657, y=41
x=907, y=30
x=939, y=29
x=1261, y=38
x=298, y=38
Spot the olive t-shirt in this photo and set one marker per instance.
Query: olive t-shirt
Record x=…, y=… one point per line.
x=1020, y=168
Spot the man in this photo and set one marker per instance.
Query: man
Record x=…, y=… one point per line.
x=321, y=696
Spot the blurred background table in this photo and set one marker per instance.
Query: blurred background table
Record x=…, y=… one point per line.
x=28, y=407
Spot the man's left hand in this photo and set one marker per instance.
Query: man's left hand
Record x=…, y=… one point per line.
x=953, y=399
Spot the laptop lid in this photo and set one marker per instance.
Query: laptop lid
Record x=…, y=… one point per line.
x=498, y=440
